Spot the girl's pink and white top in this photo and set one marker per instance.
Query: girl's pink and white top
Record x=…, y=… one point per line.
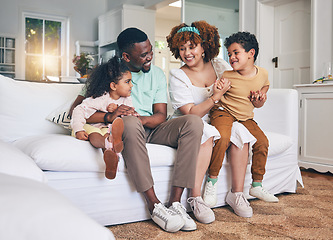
x=91, y=105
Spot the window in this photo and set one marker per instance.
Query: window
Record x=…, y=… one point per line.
x=44, y=47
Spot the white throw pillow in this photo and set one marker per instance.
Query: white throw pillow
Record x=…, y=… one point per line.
x=60, y=115
x=25, y=106
x=278, y=143
x=34, y=211
x=14, y=162
x=58, y=152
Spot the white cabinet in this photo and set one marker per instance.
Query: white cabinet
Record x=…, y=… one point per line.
x=113, y=22
x=316, y=126
x=7, y=56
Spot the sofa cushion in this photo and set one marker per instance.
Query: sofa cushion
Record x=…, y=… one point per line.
x=25, y=106
x=14, y=162
x=58, y=152
x=33, y=210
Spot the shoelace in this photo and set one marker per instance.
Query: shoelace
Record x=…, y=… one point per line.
x=210, y=189
x=265, y=191
x=241, y=200
x=181, y=210
x=195, y=204
x=163, y=212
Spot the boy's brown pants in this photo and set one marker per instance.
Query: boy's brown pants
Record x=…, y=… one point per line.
x=222, y=120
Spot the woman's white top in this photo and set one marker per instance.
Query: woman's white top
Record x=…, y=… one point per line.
x=182, y=92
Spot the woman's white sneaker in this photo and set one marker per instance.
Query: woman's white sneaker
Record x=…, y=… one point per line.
x=201, y=210
x=167, y=219
x=178, y=208
x=210, y=194
x=239, y=204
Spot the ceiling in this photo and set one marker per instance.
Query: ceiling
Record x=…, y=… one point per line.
x=163, y=11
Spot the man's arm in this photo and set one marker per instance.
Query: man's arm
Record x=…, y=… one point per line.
x=77, y=101
x=159, y=116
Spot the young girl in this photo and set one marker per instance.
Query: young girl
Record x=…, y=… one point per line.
x=108, y=87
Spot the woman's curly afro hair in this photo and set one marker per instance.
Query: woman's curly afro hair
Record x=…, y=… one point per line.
x=99, y=81
x=209, y=39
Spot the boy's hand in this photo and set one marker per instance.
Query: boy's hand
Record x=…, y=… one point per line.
x=257, y=98
x=81, y=135
x=220, y=87
x=111, y=107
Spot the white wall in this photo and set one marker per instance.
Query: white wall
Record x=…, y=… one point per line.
x=82, y=14
x=322, y=35
x=226, y=20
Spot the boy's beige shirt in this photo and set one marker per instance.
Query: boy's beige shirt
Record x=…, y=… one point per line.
x=236, y=100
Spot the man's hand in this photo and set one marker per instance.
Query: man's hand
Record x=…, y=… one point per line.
x=82, y=135
x=257, y=98
x=124, y=110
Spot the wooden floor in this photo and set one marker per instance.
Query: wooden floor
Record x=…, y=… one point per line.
x=314, y=174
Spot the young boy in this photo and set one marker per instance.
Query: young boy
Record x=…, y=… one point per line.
x=249, y=85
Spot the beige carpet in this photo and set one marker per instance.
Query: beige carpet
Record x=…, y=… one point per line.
x=308, y=214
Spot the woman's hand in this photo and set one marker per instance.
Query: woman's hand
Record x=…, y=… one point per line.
x=220, y=87
x=82, y=135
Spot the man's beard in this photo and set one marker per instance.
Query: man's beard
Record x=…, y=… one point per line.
x=145, y=70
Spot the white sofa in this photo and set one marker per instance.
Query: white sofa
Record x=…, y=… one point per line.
x=76, y=169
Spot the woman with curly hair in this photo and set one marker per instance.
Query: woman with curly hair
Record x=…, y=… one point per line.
x=108, y=87
x=194, y=89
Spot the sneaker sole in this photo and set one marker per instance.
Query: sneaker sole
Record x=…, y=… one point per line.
x=111, y=163
x=259, y=197
x=117, y=130
x=174, y=229
x=207, y=221
x=188, y=229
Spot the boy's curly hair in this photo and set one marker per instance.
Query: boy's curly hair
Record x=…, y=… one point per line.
x=99, y=81
x=247, y=40
x=209, y=39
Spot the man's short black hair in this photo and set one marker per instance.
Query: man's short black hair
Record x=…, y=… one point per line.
x=246, y=40
x=127, y=38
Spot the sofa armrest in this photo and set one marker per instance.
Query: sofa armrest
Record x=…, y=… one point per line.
x=280, y=113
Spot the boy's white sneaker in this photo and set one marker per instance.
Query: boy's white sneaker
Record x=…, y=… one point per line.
x=167, y=219
x=263, y=194
x=210, y=194
x=178, y=208
x=201, y=210
x=239, y=204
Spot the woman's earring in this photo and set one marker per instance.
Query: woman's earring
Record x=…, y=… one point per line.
x=203, y=55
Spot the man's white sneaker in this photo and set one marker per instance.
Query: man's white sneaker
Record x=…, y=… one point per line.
x=201, y=210
x=239, y=204
x=178, y=208
x=263, y=194
x=210, y=194
x=167, y=219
